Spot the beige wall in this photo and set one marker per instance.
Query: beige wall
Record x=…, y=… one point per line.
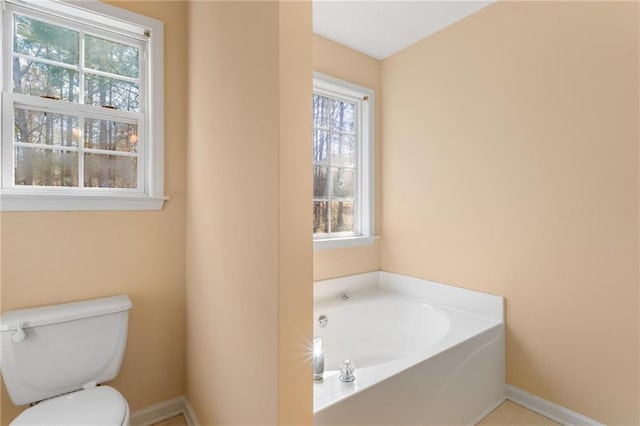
x=248, y=249
x=347, y=64
x=54, y=257
x=511, y=167
x=295, y=288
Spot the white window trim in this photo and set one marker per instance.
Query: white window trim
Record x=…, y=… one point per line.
x=323, y=83
x=52, y=199
x=346, y=242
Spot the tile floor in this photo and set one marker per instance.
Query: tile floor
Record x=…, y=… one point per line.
x=178, y=420
x=507, y=414
x=510, y=413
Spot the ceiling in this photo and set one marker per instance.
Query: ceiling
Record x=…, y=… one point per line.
x=380, y=28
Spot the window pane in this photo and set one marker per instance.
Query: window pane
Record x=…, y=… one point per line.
x=111, y=92
x=38, y=79
x=46, y=128
x=341, y=216
x=110, y=135
x=320, y=111
x=334, y=146
x=108, y=56
x=320, y=146
x=343, y=150
x=320, y=182
x=110, y=171
x=45, y=167
x=343, y=116
x=320, y=217
x=42, y=40
x=342, y=182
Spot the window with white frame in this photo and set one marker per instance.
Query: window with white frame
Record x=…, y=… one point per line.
x=342, y=163
x=81, y=108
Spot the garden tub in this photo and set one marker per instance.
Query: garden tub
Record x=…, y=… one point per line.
x=424, y=353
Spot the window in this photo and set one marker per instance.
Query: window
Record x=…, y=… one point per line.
x=342, y=163
x=81, y=108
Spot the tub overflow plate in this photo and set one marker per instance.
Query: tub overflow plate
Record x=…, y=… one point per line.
x=322, y=321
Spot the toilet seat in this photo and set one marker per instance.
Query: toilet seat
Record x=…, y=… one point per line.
x=102, y=405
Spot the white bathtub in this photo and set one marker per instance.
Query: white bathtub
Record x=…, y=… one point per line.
x=424, y=353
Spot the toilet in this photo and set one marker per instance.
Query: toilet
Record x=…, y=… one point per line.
x=55, y=357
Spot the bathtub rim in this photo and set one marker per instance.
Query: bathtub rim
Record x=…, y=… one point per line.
x=472, y=301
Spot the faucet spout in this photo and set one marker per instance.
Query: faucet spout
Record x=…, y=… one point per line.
x=318, y=360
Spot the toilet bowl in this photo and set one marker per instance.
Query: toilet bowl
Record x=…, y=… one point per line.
x=55, y=356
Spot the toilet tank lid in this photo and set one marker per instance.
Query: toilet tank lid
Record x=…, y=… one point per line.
x=52, y=314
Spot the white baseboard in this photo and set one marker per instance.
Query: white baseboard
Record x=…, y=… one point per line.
x=180, y=405
x=165, y=410
x=548, y=409
x=189, y=414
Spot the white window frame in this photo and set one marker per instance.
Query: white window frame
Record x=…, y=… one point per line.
x=97, y=18
x=364, y=211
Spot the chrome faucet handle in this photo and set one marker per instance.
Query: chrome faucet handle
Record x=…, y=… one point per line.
x=347, y=371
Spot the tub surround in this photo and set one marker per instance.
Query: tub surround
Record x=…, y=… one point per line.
x=463, y=367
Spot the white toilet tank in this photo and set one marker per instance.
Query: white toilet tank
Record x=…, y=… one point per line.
x=51, y=350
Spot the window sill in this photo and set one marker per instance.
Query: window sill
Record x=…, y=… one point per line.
x=78, y=202
x=346, y=242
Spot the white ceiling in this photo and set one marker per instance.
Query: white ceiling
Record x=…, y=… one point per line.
x=380, y=28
